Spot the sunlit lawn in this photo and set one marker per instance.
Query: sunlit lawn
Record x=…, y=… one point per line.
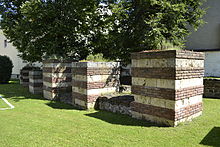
x=39, y=122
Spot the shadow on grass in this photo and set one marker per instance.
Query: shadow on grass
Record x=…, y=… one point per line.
x=212, y=138
x=119, y=119
x=211, y=97
x=18, y=98
x=61, y=105
x=17, y=93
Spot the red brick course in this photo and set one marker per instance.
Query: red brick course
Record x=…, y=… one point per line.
x=84, y=97
x=94, y=71
x=57, y=70
x=188, y=111
x=158, y=54
x=166, y=73
x=92, y=85
x=57, y=80
x=169, y=114
x=35, y=84
x=58, y=89
x=153, y=110
x=35, y=77
x=166, y=93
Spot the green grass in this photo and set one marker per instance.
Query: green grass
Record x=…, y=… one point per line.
x=218, y=78
x=38, y=122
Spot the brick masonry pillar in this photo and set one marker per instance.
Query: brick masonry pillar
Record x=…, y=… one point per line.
x=57, y=79
x=167, y=86
x=93, y=79
x=24, y=76
x=212, y=88
x=36, y=81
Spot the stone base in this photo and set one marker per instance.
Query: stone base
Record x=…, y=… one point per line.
x=83, y=104
x=116, y=104
x=25, y=84
x=163, y=121
x=63, y=97
x=35, y=90
x=48, y=95
x=212, y=88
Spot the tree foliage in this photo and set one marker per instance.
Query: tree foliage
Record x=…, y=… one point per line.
x=149, y=24
x=39, y=28
x=76, y=28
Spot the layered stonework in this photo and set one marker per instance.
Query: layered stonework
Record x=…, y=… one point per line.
x=36, y=81
x=57, y=79
x=24, y=76
x=115, y=103
x=212, y=88
x=167, y=86
x=93, y=79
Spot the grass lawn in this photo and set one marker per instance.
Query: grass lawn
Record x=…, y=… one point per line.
x=39, y=122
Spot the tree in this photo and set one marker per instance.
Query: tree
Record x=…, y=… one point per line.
x=139, y=25
x=6, y=66
x=40, y=28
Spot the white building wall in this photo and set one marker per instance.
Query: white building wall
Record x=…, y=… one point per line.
x=12, y=53
x=212, y=64
x=207, y=38
x=208, y=35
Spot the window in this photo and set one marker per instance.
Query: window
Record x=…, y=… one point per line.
x=5, y=43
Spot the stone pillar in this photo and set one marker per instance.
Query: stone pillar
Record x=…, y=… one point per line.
x=24, y=76
x=167, y=86
x=57, y=79
x=36, y=81
x=93, y=79
x=212, y=87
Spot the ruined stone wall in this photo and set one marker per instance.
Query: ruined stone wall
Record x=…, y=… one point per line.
x=57, y=80
x=212, y=88
x=93, y=79
x=36, y=81
x=167, y=86
x=116, y=104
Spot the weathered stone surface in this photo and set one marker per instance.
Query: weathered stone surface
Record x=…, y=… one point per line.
x=93, y=79
x=115, y=104
x=158, y=54
x=36, y=81
x=24, y=74
x=167, y=86
x=57, y=80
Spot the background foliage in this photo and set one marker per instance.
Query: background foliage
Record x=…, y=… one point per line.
x=149, y=24
x=43, y=28
x=6, y=66
x=115, y=28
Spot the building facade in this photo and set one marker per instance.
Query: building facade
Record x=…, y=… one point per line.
x=9, y=50
x=207, y=39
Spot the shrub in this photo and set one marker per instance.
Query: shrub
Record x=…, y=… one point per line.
x=6, y=66
x=95, y=58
